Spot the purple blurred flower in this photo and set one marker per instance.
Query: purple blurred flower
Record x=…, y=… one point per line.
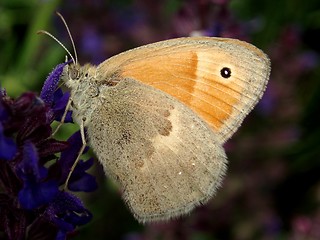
x=91, y=44
x=32, y=195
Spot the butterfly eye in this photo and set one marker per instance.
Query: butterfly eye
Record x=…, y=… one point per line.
x=225, y=72
x=74, y=73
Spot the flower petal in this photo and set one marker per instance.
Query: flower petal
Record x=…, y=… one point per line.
x=34, y=194
x=29, y=168
x=69, y=156
x=82, y=181
x=59, y=106
x=8, y=147
x=67, y=212
x=51, y=83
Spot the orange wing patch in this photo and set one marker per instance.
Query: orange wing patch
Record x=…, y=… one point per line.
x=189, y=70
x=193, y=82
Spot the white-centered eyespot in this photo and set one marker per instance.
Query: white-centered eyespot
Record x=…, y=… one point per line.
x=225, y=72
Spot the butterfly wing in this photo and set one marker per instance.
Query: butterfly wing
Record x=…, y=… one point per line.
x=193, y=71
x=165, y=110
x=166, y=159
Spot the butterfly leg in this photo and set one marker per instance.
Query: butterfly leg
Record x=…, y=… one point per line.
x=63, y=117
x=84, y=144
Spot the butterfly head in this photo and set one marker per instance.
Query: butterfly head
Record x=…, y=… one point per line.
x=74, y=74
x=81, y=80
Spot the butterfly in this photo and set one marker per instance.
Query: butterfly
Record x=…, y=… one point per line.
x=157, y=117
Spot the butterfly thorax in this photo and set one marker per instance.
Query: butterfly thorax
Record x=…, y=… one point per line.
x=85, y=88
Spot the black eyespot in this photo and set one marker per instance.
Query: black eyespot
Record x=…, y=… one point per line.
x=225, y=72
x=86, y=75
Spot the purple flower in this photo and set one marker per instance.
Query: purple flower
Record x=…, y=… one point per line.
x=32, y=177
x=8, y=144
x=66, y=212
x=80, y=180
x=50, y=85
x=53, y=96
x=36, y=191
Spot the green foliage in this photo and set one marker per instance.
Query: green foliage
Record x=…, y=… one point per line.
x=23, y=63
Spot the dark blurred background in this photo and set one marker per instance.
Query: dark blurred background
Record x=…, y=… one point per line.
x=272, y=189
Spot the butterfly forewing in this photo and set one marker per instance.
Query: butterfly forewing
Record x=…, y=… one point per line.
x=190, y=70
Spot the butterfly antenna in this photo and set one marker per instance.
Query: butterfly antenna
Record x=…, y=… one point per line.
x=70, y=36
x=54, y=38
